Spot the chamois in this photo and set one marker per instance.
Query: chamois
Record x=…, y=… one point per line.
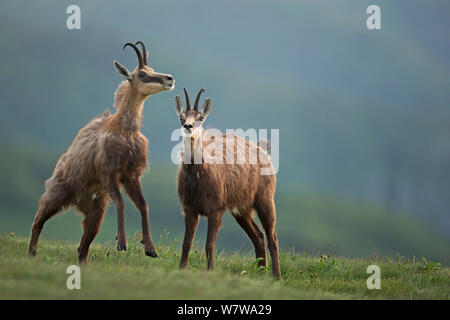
x=208, y=188
x=110, y=152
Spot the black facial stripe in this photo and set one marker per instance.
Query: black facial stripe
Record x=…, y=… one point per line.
x=147, y=78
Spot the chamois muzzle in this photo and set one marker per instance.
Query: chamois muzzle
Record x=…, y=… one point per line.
x=168, y=82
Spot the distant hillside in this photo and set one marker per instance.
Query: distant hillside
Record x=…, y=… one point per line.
x=310, y=222
x=362, y=115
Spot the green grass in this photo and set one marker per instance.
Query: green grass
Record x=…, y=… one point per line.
x=132, y=275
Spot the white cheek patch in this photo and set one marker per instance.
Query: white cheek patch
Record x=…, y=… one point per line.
x=152, y=87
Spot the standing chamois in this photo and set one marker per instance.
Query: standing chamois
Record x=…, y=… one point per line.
x=209, y=188
x=110, y=152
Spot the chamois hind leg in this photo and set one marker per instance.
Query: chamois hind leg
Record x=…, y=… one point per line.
x=255, y=234
x=214, y=224
x=134, y=190
x=266, y=213
x=94, y=211
x=50, y=204
x=112, y=187
x=190, y=225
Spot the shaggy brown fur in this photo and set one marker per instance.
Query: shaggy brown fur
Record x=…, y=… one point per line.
x=209, y=189
x=108, y=153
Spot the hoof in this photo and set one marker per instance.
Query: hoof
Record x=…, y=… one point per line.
x=151, y=253
x=82, y=260
x=122, y=248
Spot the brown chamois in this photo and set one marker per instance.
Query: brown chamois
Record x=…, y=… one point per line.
x=209, y=188
x=110, y=152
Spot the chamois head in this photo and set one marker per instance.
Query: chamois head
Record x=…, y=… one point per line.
x=145, y=80
x=192, y=119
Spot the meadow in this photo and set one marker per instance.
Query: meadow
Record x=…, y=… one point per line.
x=131, y=275
x=364, y=157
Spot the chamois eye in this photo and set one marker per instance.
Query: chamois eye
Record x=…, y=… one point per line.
x=142, y=74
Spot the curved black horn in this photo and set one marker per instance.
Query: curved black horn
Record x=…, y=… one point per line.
x=137, y=52
x=188, y=104
x=198, y=98
x=144, y=52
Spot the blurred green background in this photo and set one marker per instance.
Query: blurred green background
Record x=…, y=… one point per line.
x=363, y=115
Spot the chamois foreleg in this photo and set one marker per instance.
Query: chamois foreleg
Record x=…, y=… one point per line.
x=134, y=191
x=214, y=224
x=190, y=223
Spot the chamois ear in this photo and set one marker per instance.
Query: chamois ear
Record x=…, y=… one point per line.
x=206, y=107
x=179, y=108
x=123, y=71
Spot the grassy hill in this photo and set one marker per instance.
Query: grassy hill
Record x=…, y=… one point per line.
x=131, y=275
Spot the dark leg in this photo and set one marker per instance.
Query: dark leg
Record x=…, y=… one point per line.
x=190, y=223
x=44, y=213
x=214, y=223
x=134, y=190
x=255, y=234
x=114, y=192
x=94, y=211
x=267, y=215
x=51, y=202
